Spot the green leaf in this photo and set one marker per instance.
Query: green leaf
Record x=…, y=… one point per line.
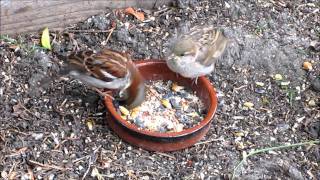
x=45, y=39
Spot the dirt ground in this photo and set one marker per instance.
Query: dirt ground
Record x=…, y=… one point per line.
x=44, y=132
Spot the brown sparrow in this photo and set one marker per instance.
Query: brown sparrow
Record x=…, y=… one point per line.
x=108, y=69
x=194, y=53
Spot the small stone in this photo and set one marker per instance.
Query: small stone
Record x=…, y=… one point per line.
x=179, y=127
x=312, y=103
x=170, y=125
x=283, y=127
x=239, y=134
x=248, y=104
x=240, y=145
x=139, y=122
x=278, y=77
x=260, y=91
x=175, y=103
x=37, y=136
x=51, y=177
x=4, y=175
x=145, y=178
x=315, y=84
x=260, y=84
x=315, y=45
x=193, y=114
x=285, y=83
x=162, y=129
x=168, y=95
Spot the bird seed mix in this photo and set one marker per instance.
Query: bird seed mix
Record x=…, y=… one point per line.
x=168, y=107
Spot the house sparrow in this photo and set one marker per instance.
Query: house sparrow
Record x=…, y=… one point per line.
x=108, y=69
x=195, y=52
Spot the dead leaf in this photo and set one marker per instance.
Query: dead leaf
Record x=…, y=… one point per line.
x=30, y=172
x=14, y=47
x=12, y=175
x=19, y=111
x=138, y=15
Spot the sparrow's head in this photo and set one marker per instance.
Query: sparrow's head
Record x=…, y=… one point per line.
x=135, y=93
x=184, y=47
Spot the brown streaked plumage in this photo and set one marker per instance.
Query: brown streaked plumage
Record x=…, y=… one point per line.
x=109, y=69
x=195, y=52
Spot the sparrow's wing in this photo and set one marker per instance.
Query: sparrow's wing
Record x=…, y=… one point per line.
x=109, y=65
x=212, y=43
x=106, y=65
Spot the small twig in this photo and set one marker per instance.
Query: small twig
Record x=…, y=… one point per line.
x=48, y=166
x=28, y=111
x=109, y=35
x=166, y=155
x=238, y=88
x=80, y=159
x=30, y=172
x=58, y=145
x=18, y=152
x=89, y=167
x=206, y=142
x=63, y=103
x=148, y=172
x=87, y=31
x=90, y=162
x=12, y=169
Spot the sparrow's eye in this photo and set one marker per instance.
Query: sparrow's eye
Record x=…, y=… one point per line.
x=186, y=53
x=183, y=54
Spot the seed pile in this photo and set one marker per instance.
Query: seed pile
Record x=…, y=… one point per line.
x=168, y=107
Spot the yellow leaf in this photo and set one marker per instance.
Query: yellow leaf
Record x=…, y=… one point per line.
x=45, y=39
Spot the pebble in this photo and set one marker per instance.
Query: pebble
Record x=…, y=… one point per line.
x=248, y=104
x=285, y=83
x=37, y=136
x=260, y=84
x=278, y=77
x=312, y=103
x=283, y=127
x=260, y=91
x=315, y=84
x=175, y=103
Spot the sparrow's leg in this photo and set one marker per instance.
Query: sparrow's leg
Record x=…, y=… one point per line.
x=195, y=81
x=73, y=41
